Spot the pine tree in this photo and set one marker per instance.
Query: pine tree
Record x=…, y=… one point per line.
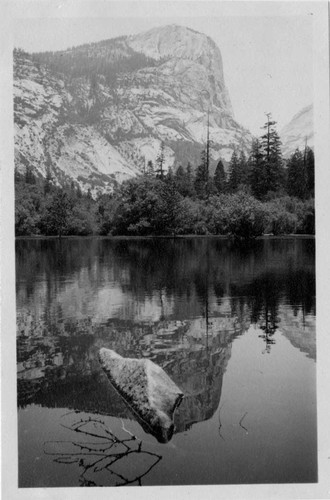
x=297, y=183
x=201, y=179
x=79, y=192
x=234, y=172
x=167, y=219
x=207, y=149
x=310, y=169
x=243, y=169
x=180, y=180
x=48, y=181
x=160, y=162
x=169, y=176
x=150, y=169
x=190, y=181
x=220, y=178
x=273, y=164
x=203, y=185
x=58, y=213
x=256, y=170
x=49, y=178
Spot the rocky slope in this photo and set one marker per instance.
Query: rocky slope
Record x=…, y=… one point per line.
x=99, y=112
x=297, y=131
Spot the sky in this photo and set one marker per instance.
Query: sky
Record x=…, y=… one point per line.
x=267, y=56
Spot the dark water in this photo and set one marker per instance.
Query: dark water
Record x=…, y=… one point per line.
x=234, y=327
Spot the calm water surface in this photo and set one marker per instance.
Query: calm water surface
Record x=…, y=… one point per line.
x=234, y=327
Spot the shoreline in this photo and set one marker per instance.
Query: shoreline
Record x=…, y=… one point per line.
x=168, y=237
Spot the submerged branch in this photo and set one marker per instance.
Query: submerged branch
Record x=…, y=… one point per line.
x=240, y=422
x=97, y=456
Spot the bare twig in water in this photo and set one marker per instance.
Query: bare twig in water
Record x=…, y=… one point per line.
x=126, y=430
x=97, y=456
x=240, y=422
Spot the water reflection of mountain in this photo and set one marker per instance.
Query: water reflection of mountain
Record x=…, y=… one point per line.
x=300, y=330
x=152, y=298
x=64, y=370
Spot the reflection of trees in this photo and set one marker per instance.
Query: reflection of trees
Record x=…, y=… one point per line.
x=265, y=294
x=264, y=308
x=197, y=275
x=101, y=458
x=202, y=283
x=178, y=268
x=301, y=291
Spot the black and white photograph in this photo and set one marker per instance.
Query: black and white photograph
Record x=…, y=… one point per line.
x=167, y=170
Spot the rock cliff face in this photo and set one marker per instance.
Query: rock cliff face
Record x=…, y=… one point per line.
x=99, y=112
x=297, y=131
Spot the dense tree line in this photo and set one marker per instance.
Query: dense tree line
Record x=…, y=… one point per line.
x=41, y=207
x=109, y=59
x=259, y=194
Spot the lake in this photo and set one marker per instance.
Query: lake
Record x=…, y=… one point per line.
x=232, y=325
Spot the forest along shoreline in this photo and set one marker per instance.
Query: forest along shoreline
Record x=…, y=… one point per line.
x=260, y=195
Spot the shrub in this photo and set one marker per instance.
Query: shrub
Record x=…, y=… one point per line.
x=291, y=215
x=280, y=220
x=247, y=217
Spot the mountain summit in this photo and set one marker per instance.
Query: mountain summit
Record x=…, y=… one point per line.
x=98, y=113
x=189, y=55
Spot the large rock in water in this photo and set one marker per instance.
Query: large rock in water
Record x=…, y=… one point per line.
x=147, y=389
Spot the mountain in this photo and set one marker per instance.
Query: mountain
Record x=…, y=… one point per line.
x=99, y=112
x=295, y=133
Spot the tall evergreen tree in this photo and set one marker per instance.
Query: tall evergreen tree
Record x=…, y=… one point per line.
x=204, y=187
x=273, y=164
x=168, y=216
x=297, y=183
x=256, y=170
x=220, y=177
x=49, y=178
x=48, y=181
x=150, y=169
x=79, y=192
x=207, y=149
x=169, y=176
x=201, y=182
x=58, y=213
x=160, y=162
x=234, y=172
x=310, y=169
x=181, y=181
x=190, y=181
x=243, y=169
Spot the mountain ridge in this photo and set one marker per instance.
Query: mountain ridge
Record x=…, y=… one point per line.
x=97, y=113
